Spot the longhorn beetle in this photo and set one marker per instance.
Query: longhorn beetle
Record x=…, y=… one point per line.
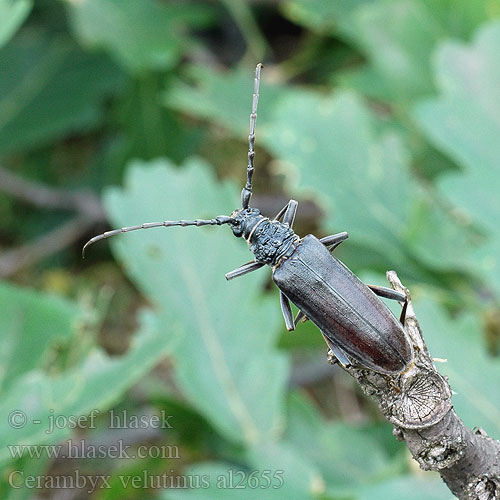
x=356, y=325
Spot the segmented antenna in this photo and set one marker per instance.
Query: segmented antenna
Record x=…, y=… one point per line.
x=217, y=221
x=246, y=193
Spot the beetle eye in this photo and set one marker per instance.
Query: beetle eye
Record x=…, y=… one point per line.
x=237, y=227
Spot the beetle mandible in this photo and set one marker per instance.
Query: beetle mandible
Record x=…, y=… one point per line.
x=356, y=325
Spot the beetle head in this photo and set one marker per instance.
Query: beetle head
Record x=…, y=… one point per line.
x=244, y=220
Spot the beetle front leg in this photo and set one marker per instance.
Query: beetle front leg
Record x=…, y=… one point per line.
x=286, y=309
x=389, y=293
x=334, y=240
x=244, y=269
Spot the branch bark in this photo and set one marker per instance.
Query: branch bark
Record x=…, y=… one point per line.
x=56, y=240
x=39, y=195
x=86, y=205
x=418, y=403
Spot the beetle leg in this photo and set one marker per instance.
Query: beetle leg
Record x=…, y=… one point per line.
x=389, y=293
x=402, y=317
x=287, y=312
x=300, y=317
x=244, y=269
x=334, y=240
x=289, y=211
x=280, y=213
x=339, y=353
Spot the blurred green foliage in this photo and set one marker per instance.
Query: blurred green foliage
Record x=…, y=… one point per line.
x=380, y=114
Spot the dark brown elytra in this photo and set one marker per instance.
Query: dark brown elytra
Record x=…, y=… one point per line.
x=357, y=326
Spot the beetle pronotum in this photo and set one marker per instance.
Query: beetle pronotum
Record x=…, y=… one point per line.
x=356, y=325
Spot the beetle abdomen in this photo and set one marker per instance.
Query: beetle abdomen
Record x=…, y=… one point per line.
x=344, y=308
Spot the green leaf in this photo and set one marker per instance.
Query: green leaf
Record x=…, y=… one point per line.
x=141, y=34
x=78, y=391
x=469, y=368
x=423, y=487
x=219, y=480
x=302, y=480
x=12, y=15
x=362, y=179
x=224, y=98
x=29, y=467
x=151, y=130
x=440, y=238
x=398, y=52
x=323, y=17
x=49, y=89
x=225, y=361
x=31, y=324
x=276, y=471
x=347, y=456
x=463, y=122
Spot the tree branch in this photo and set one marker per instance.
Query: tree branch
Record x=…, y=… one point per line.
x=418, y=403
x=42, y=196
x=87, y=206
x=63, y=236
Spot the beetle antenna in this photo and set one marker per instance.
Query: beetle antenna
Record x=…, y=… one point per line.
x=246, y=193
x=217, y=221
